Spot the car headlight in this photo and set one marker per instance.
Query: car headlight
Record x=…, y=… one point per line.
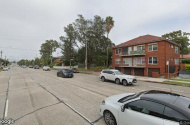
x=103, y=102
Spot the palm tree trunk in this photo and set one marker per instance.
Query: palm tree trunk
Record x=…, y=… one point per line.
x=107, y=53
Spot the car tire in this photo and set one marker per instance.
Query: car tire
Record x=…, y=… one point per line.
x=124, y=82
x=103, y=79
x=117, y=81
x=109, y=118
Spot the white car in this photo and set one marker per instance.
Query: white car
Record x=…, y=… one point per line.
x=5, y=68
x=117, y=77
x=46, y=68
x=151, y=107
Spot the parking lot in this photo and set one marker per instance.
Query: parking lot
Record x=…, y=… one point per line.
x=37, y=97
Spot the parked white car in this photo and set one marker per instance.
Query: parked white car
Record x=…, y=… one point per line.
x=46, y=68
x=117, y=77
x=146, y=108
x=5, y=68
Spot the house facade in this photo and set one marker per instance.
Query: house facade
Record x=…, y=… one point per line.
x=146, y=54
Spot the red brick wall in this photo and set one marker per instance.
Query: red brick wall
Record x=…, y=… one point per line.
x=163, y=54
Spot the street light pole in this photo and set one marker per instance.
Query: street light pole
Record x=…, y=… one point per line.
x=86, y=60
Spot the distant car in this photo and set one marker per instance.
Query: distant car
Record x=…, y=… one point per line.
x=151, y=107
x=117, y=77
x=31, y=66
x=74, y=70
x=46, y=68
x=36, y=67
x=65, y=73
x=23, y=66
x=5, y=68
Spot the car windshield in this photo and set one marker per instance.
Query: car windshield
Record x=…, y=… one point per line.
x=129, y=97
x=118, y=73
x=66, y=71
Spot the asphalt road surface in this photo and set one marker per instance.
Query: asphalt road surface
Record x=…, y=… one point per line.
x=36, y=97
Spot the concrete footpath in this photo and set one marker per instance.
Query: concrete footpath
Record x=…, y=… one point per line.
x=139, y=78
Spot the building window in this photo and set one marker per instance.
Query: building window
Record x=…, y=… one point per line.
x=117, y=61
x=138, y=48
x=176, y=49
x=127, y=61
x=172, y=46
x=176, y=61
x=139, y=60
x=152, y=60
x=152, y=47
x=118, y=51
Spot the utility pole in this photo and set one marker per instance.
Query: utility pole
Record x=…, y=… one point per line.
x=86, y=60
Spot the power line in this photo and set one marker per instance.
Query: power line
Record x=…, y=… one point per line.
x=19, y=48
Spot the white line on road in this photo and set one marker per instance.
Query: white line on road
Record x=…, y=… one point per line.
x=6, y=111
x=166, y=89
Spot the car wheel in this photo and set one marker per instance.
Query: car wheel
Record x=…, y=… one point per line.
x=109, y=118
x=125, y=82
x=103, y=79
x=117, y=81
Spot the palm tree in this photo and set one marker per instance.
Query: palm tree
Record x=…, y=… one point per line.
x=109, y=26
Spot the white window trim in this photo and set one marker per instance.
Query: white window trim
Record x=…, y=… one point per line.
x=135, y=58
x=178, y=61
x=116, y=50
x=152, y=60
x=177, y=49
x=116, y=61
x=152, y=47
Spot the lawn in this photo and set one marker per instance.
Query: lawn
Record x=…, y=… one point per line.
x=92, y=68
x=0, y=70
x=177, y=82
x=186, y=80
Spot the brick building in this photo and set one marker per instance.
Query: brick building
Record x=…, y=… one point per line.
x=146, y=54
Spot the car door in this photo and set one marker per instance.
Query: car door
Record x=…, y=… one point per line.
x=142, y=112
x=112, y=75
x=172, y=117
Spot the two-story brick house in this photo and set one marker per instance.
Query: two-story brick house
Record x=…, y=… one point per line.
x=146, y=54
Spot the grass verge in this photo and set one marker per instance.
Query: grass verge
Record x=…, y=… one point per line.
x=177, y=83
x=181, y=80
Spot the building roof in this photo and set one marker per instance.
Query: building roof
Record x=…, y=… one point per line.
x=141, y=40
x=185, y=56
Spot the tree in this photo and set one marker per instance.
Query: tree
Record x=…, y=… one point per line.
x=37, y=61
x=68, y=44
x=109, y=26
x=180, y=38
x=47, y=49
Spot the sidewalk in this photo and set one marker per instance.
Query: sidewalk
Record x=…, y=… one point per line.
x=150, y=79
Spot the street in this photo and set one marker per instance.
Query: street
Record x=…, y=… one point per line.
x=37, y=97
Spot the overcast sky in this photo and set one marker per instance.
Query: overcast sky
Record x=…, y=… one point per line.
x=26, y=24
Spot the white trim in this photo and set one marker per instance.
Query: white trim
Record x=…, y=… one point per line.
x=152, y=47
x=152, y=60
x=119, y=52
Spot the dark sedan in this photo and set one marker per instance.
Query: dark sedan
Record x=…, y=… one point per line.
x=36, y=67
x=65, y=73
x=74, y=70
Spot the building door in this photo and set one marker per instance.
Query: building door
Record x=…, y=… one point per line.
x=139, y=71
x=127, y=71
x=150, y=70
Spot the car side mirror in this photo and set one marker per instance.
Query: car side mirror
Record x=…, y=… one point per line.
x=113, y=73
x=122, y=108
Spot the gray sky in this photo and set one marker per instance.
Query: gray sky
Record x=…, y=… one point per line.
x=26, y=24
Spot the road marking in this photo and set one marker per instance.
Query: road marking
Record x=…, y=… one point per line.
x=166, y=89
x=6, y=110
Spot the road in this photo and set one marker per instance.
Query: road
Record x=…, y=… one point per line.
x=36, y=97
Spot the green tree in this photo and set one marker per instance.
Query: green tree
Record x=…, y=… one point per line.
x=47, y=49
x=37, y=61
x=109, y=26
x=68, y=44
x=180, y=38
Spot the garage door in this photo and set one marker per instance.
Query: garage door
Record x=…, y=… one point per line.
x=127, y=71
x=150, y=70
x=139, y=71
x=118, y=68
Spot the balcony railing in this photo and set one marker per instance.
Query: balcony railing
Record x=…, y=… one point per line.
x=133, y=53
x=130, y=65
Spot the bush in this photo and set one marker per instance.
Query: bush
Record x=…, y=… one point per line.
x=187, y=67
x=185, y=61
x=51, y=65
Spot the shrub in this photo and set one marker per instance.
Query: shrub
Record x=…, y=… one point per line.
x=185, y=61
x=187, y=67
x=51, y=65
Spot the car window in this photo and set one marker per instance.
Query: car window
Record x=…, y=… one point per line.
x=147, y=107
x=173, y=115
x=110, y=72
x=118, y=73
x=105, y=72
